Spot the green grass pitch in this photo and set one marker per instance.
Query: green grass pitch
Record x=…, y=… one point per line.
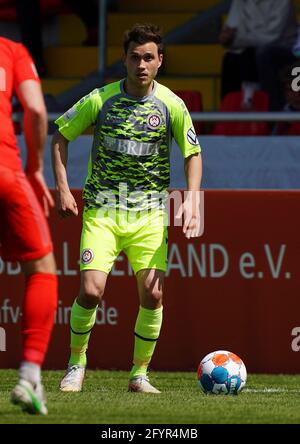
x=105, y=400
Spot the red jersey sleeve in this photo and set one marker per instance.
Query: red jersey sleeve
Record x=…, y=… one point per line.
x=24, y=68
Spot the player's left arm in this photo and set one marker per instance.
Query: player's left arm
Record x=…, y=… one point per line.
x=185, y=135
x=191, y=205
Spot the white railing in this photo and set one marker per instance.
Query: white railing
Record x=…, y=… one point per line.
x=218, y=116
x=233, y=117
x=246, y=116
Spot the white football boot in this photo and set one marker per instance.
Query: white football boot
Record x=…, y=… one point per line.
x=30, y=397
x=141, y=384
x=73, y=379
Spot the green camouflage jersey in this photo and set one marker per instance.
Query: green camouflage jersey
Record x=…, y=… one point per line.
x=129, y=165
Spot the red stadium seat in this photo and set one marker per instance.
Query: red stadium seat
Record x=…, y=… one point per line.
x=48, y=8
x=193, y=101
x=293, y=129
x=7, y=10
x=287, y=129
x=232, y=103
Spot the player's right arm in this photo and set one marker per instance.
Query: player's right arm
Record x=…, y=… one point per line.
x=28, y=89
x=65, y=201
x=70, y=125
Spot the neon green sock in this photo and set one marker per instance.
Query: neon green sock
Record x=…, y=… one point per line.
x=81, y=323
x=147, y=328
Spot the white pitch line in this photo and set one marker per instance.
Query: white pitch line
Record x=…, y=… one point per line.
x=271, y=390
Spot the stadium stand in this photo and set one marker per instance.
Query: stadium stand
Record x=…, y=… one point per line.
x=48, y=7
x=190, y=67
x=232, y=102
x=187, y=67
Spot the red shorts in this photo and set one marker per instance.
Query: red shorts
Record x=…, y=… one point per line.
x=24, y=231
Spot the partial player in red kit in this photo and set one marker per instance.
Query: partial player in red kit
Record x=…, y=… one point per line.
x=24, y=232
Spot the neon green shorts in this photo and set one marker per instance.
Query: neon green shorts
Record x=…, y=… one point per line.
x=142, y=235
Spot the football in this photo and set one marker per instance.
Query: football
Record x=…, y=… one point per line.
x=222, y=372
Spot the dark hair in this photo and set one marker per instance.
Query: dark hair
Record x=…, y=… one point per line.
x=143, y=33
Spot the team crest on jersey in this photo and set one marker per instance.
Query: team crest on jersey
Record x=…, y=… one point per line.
x=87, y=256
x=192, y=137
x=154, y=121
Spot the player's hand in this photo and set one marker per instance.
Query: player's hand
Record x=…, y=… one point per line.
x=227, y=35
x=66, y=204
x=190, y=210
x=41, y=190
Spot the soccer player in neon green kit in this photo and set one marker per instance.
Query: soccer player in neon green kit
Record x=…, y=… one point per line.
x=135, y=120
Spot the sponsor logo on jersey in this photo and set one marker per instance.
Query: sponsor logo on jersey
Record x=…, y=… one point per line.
x=153, y=121
x=87, y=256
x=131, y=147
x=192, y=137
